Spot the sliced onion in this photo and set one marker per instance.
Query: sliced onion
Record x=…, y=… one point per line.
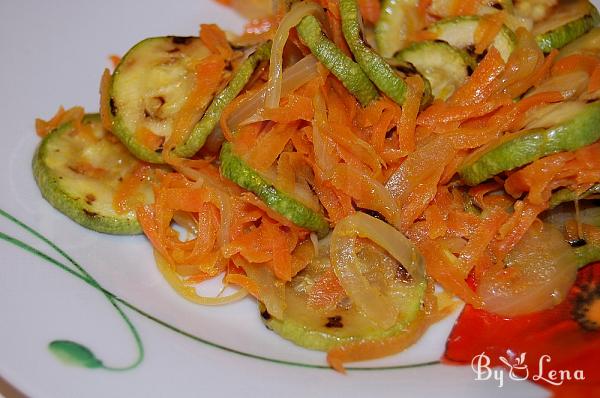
x=189, y=292
x=539, y=272
x=291, y=19
x=270, y=289
x=294, y=77
x=546, y=116
x=570, y=85
x=370, y=300
x=324, y=150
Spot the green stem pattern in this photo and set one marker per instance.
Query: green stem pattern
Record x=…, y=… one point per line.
x=74, y=353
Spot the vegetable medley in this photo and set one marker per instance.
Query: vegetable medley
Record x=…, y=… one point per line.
x=356, y=166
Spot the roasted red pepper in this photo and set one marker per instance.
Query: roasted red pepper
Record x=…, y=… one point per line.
x=558, y=349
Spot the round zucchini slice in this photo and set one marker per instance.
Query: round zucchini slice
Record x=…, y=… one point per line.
x=445, y=67
x=149, y=87
x=460, y=33
x=332, y=320
x=569, y=20
x=560, y=127
x=397, y=19
x=234, y=168
x=346, y=70
x=79, y=171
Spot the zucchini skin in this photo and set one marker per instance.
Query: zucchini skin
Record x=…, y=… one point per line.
x=583, y=129
x=378, y=70
x=54, y=193
x=563, y=35
x=342, y=67
x=321, y=341
x=235, y=169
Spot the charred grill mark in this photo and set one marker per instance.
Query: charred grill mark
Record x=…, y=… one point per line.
x=90, y=214
x=390, y=133
x=578, y=242
x=75, y=169
x=182, y=40
x=265, y=315
x=113, y=106
x=498, y=6
x=174, y=50
x=372, y=213
x=582, y=311
x=90, y=198
x=402, y=274
x=407, y=68
x=153, y=107
x=334, y=322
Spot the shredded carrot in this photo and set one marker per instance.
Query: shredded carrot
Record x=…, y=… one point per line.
x=594, y=84
x=408, y=118
x=369, y=9
x=105, y=101
x=62, y=116
x=115, y=60
x=474, y=254
x=267, y=147
x=482, y=84
x=214, y=38
x=464, y=7
x=244, y=282
x=148, y=139
x=127, y=197
x=575, y=62
x=423, y=6
x=326, y=291
x=487, y=29
x=293, y=107
x=208, y=73
x=515, y=227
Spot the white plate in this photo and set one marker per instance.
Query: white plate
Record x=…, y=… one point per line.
x=53, y=53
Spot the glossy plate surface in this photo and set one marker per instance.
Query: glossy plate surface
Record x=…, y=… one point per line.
x=98, y=301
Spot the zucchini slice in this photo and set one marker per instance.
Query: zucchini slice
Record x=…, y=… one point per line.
x=234, y=168
x=567, y=195
x=444, y=66
x=570, y=20
x=324, y=326
x=378, y=70
x=460, y=33
x=559, y=127
x=346, y=70
x=78, y=175
x=397, y=19
x=150, y=86
x=588, y=44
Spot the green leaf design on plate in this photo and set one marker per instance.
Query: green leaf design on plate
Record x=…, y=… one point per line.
x=75, y=354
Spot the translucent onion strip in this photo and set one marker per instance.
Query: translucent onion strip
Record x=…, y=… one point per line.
x=371, y=301
x=189, y=292
x=294, y=77
x=291, y=19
